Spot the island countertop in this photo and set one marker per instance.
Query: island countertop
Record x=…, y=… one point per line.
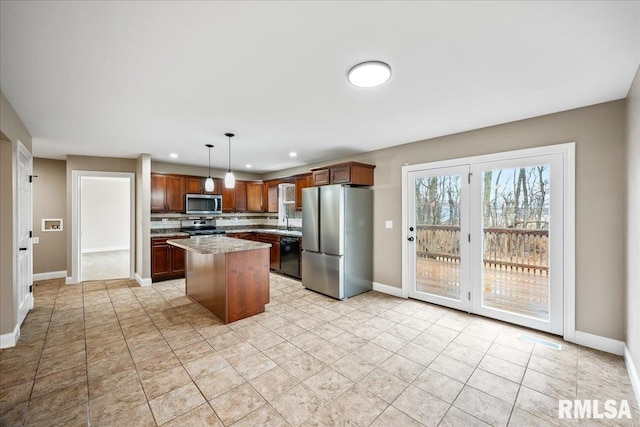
x=217, y=244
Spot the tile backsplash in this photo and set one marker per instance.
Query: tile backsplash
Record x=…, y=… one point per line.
x=172, y=221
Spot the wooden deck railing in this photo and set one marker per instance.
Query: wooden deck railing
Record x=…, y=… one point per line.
x=508, y=248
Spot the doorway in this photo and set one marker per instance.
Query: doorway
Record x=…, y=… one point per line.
x=103, y=232
x=487, y=235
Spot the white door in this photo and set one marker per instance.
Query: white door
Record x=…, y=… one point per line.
x=487, y=236
x=25, y=223
x=517, y=241
x=438, y=232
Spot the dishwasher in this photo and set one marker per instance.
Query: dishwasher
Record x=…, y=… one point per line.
x=290, y=256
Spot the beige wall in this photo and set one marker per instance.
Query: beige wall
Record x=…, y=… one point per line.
x=85, y=163
x=633, y=224
x=12, y=130
x=49, y=201
x=143, y=217
x=165, y=167
x=599, y=134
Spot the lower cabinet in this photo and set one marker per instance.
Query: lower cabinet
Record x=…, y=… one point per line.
x=274, y=250
x=274, y=253
x=167, y=261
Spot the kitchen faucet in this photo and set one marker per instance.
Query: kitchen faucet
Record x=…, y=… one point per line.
x=286, y=218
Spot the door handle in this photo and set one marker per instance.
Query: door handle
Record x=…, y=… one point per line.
x=410, y=239
x=23, y=249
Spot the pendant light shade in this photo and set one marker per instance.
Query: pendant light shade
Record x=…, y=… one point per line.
x=229, y=179
x=208, y=183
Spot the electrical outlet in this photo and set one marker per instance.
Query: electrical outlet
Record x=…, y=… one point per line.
x=388, y=224
x=165, y=220
x=36, y=240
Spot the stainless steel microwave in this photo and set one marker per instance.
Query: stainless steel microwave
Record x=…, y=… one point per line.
x=203, y=204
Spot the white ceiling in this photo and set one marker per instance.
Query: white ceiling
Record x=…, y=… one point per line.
x=123, y=78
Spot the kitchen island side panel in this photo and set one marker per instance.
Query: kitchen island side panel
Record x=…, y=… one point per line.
x=206, y=283
x=247, y=274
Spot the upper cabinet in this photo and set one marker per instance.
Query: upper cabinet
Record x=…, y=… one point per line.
x=255, y=201
x=241, y=196
x=344, y=173
x=272, y=195
x=228, y=199
x=303, y=181
x=167, y=193
x=195, y=185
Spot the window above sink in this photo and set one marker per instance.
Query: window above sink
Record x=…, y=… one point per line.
x=287, y=206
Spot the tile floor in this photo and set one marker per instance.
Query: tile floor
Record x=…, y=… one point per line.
x=114, y=354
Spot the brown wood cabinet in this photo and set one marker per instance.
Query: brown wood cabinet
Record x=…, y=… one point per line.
x=302, y=182
x=244, y=197
x=195, y=185
x=254, y=197
x=321, y=177
x=167, y=261
x=274, y=251
x=241, y=196
x=272, y=198
x=167, y=193
x=344, y=173
x=228, y=199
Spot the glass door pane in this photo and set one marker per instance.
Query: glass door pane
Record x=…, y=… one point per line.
x=438, y=214
x=515, y=240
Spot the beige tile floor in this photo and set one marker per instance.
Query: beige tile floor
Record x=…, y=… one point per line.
x=115, y=354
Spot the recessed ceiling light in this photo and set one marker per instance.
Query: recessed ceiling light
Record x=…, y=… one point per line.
x=293, y=154
x=173, y=155
x=248, y=166
x=369, y=74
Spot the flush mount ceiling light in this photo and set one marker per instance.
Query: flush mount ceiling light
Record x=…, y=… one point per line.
x=173, y=155
x=208, y=183
x=369, y=74
x=248, y=166
x=293, y=154
x=229, y=179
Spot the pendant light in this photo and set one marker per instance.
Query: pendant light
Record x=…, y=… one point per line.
x=229, y=179
x=208, y=183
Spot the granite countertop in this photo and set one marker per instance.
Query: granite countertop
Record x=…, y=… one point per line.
x=217, y=244
x=168, y=233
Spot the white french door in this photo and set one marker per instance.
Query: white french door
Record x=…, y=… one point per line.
x=487, y=235
x=438, y=233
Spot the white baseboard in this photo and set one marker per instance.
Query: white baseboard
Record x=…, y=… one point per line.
x=105, y=249
x=69, y=281
x=49, y=275
x=143, y=282
x=633, y=373
x=600, y=343
x=386, y=289
x=10, y=339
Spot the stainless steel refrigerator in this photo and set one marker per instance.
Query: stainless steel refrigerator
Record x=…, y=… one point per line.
x=337, y=240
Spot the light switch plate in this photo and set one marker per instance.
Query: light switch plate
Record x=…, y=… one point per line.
x=388, y=224
x=36, y=240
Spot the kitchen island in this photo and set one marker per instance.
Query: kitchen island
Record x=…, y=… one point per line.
x=228, y=277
